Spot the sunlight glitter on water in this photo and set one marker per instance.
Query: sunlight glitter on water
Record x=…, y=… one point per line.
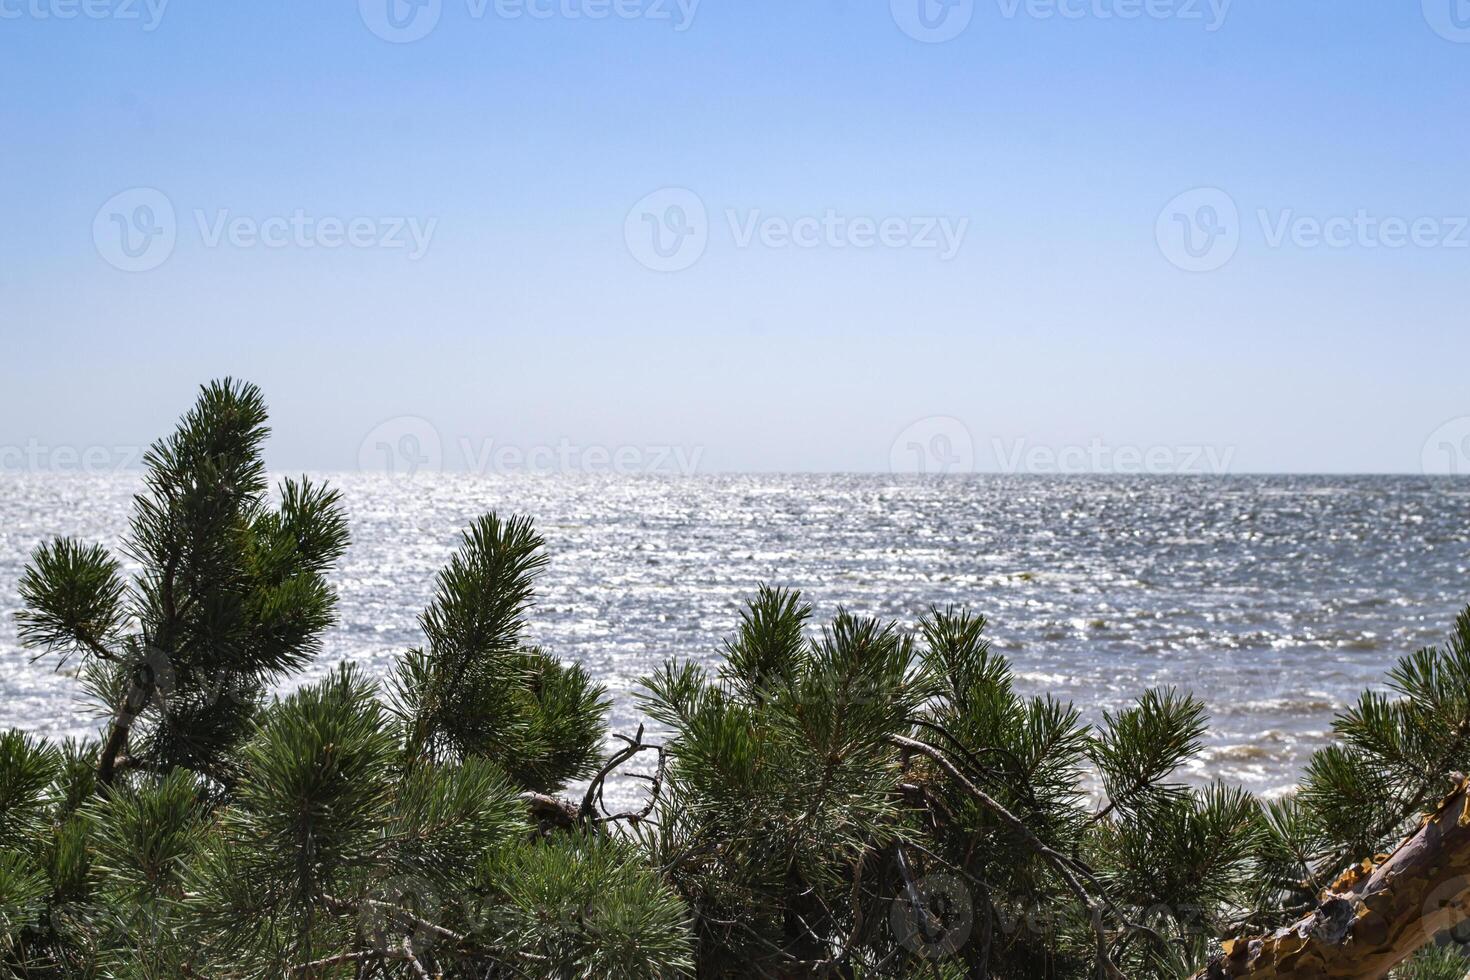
x=1276, y=599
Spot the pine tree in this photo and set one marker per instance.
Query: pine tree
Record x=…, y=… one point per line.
x=232, y=594
x=337, y=829
x=849, y=799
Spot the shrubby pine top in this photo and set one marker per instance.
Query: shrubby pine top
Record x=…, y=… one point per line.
x=851, y=799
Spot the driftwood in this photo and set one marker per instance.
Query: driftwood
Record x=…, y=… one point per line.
x=1376, y=915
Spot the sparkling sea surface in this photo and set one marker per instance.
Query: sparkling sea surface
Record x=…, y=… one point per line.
x=1276, y=599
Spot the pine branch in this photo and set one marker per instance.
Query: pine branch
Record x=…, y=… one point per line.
x=1059, y=863
x=72, y=598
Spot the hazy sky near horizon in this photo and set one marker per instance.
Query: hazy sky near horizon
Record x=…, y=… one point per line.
x=808, y=235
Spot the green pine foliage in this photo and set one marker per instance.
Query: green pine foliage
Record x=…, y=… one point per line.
x=478, y=689
x=231, y=597
x=855, y=798
x=1435, y=962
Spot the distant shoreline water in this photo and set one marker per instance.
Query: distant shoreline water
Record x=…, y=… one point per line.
x=1275, y=598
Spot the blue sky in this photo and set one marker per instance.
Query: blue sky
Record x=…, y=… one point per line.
x=888, y=238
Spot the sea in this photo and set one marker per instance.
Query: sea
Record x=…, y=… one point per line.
x=1275, y=599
